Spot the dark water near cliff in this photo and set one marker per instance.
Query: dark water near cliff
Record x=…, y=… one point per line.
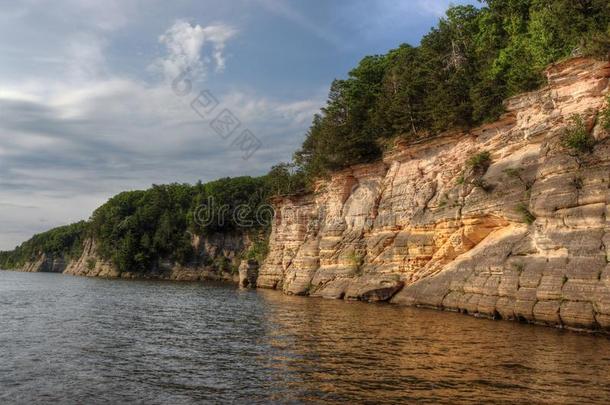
x=77, y=340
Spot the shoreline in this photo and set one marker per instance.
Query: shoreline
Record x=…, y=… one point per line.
x=226, y=282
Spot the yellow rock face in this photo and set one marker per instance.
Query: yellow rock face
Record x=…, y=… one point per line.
x=529, y=239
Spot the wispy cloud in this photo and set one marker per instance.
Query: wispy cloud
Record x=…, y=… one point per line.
x=70, y=142
x=184, y=43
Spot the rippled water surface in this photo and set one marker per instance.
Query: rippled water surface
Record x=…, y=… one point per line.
x=78, y=340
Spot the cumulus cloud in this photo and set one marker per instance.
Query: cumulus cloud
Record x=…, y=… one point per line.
x=184, y=42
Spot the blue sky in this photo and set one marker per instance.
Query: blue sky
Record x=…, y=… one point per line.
x=87, y=107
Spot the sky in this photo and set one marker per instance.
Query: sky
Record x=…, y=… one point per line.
x=99, y=97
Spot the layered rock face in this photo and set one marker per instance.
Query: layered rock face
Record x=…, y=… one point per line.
x=46, y=264
x=528, y=238
x=217, y=259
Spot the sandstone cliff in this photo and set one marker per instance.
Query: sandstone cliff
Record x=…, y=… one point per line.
x=217, y=258
x=529, y=238
x=46, y=264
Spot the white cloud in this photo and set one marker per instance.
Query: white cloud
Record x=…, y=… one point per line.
x=66, y=147
x=85, y=56
x=184, y=43
x=74, y=131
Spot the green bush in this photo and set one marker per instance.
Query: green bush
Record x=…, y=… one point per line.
x=356, y=260
x=517, y=173
x=576, y=138
x=483, y=185
x=479, y=162
x=91, y=264
x=223, y=264
x=286, y=179
x=259, y=249
x=526, y=214
x=478, y=165
x=513, y=172
x=597, y=45
x=519, y=267
x=65, y=242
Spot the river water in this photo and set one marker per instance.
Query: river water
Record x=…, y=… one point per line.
x=79, y=340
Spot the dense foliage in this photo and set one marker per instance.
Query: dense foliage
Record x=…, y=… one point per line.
x=457, y=77
x=286, y=179
x=136, y=229
x=65, y=242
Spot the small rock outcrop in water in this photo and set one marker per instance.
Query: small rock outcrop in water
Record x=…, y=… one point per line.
x=523, y=235
x=46, y=264
x=248, y=274
x=217, y=259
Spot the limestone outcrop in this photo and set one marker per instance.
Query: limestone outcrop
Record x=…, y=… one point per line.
x=525, y=237
x=46, y=264
x=218, y=257
x=248, y=274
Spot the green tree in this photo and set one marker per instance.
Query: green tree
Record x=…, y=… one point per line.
x=457, y=77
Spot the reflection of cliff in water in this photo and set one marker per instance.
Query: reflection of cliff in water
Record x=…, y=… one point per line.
x=501, y=221
x=341, y=351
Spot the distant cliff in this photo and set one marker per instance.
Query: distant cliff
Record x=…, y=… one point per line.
x=509, y=220
x=175, y=231
x=218, y=257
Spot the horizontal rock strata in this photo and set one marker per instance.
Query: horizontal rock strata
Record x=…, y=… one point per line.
x=213, y=252
x=528, y=239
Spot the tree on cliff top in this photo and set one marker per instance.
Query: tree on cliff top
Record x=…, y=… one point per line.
x=456, y=78
x=65, y=242
x=136, y=229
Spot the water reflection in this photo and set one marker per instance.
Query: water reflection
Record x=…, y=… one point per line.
x=77, y=340
x=380, y=353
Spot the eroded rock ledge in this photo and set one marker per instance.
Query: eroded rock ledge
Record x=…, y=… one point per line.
x=411, y=230
x=217, y=258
